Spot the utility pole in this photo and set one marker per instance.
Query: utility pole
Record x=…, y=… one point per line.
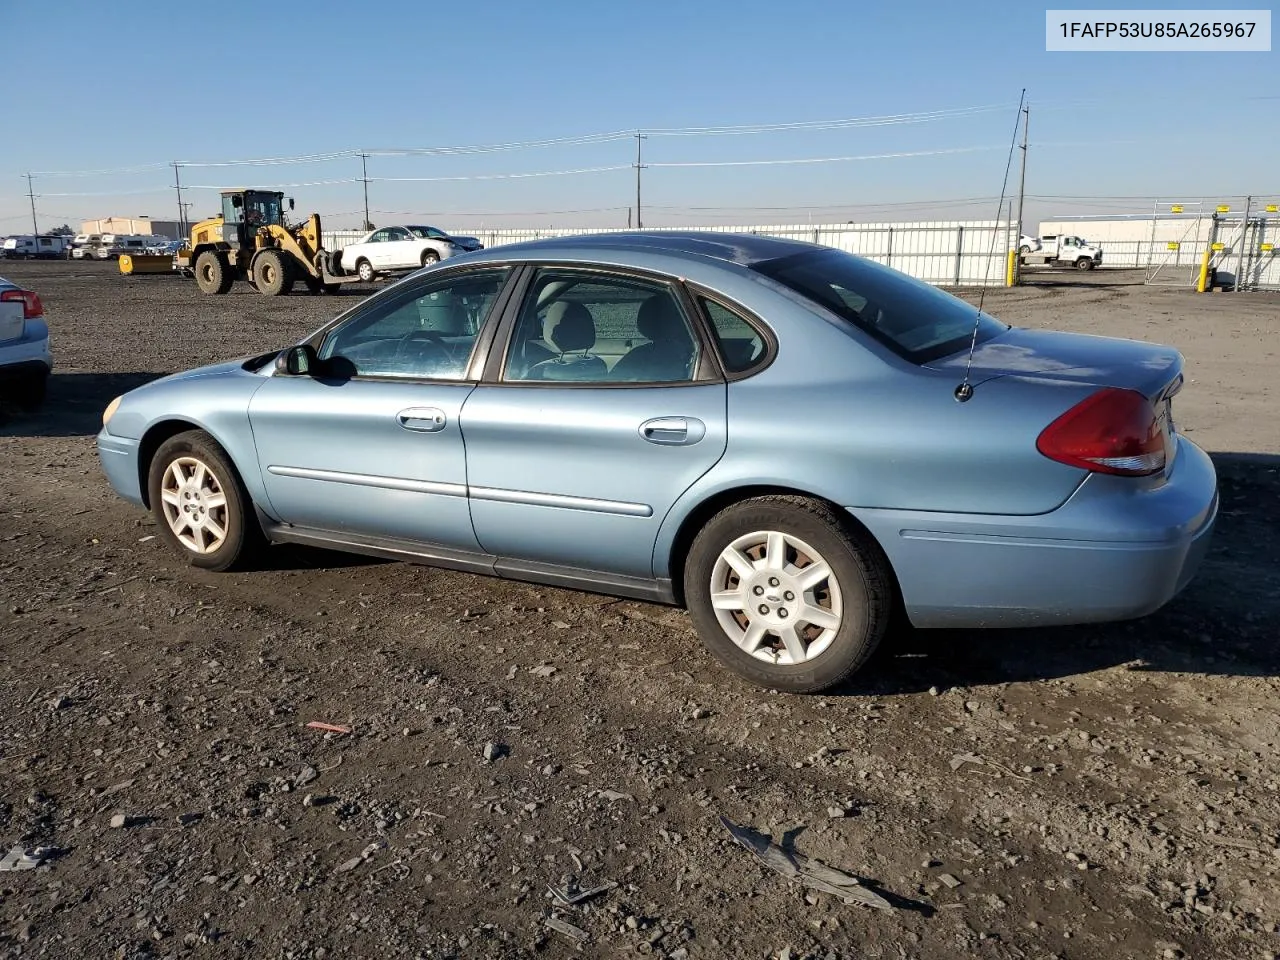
x=1022, y=183
x=32, y=197
x=182, y=207
x=639, y=167
x=364, y=178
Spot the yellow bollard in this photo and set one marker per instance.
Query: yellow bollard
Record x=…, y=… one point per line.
x=1203, y=282
x=1011, y=269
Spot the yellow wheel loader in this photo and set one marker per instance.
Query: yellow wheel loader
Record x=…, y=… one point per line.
x=252, y=240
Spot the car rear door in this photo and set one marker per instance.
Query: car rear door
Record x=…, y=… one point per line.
x=370, y=444
x=574, y=457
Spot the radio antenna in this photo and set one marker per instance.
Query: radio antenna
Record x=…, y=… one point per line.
x=965, y=390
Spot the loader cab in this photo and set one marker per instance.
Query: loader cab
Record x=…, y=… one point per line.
x=244, y=211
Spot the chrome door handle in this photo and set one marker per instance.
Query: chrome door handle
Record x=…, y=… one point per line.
x=673, y=431
x=422, y=419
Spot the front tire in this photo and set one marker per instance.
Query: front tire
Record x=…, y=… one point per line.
x=273, y=274
x=1084, y=263
x=213, y=274
x=429, y=257
x=200, y=504
x=364, y=270
x=786, y=594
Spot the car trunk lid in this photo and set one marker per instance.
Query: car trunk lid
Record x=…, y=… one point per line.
x=1153, y=370
x=12, y=319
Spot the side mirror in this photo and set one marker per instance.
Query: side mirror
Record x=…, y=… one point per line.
x=296, y=361
x=291, y=203
x=237, y=201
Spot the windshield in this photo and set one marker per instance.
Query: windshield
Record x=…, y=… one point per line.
x=429, y=233
x=915, y=320
x=261, y=208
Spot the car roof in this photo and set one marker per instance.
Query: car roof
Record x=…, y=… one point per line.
x=741, y=248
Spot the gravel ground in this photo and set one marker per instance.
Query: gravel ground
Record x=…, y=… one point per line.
x=1105, y=791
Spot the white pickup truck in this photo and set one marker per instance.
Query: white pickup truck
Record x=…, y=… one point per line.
x=1060, y=250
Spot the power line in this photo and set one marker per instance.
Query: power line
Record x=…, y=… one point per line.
x=869, y=156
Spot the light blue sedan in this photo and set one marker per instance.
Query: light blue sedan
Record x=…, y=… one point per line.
x=790, y=441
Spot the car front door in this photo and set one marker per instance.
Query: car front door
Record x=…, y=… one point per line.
x=603, y=408
x=369, y=443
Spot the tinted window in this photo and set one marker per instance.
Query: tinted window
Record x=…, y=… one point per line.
x=423, y=330
x=916, y=320
x=581, y=328
x=741, y=345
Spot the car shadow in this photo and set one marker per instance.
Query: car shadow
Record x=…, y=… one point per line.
x=73, y=406
x=289, y=557
x=1223, y=623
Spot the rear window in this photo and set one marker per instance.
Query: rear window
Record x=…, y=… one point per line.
x=915, y=320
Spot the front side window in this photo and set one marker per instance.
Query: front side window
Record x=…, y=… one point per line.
x=429, y=233
x=917, y=321
x=586, y=328
x=419, y=331
x=398, y=233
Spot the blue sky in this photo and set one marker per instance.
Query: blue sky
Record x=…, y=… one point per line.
x=287, y=79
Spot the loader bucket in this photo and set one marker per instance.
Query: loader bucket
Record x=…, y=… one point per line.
x=132, y=264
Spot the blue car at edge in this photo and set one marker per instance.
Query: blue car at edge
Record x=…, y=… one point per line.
x=789, y=441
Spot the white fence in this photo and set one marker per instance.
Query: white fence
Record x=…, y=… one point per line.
x=947, y=253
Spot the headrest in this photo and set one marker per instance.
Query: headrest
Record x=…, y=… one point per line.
x=446, y=315
x=569, y=326
x=658, y=321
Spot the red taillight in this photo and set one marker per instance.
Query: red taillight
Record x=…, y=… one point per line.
x=31, y=305
x=1111, y=431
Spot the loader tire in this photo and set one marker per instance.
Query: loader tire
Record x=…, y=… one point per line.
x=213, y=275
x=273, y=274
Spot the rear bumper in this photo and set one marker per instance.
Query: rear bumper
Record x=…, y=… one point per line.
x=119, y=459
x=1111, y=552
x=26, y=358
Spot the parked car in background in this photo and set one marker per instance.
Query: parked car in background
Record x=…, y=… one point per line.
x=30, y=247
x=87, y=246
x=1028, y=244
x=397, y=248
x=619, y=413
x=25, y=356
x=115, y=244
x=1065, y=250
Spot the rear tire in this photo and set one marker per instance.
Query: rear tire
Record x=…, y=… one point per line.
x=206, y=516
x=753, y=556
x=273, y=273
x=213, y=275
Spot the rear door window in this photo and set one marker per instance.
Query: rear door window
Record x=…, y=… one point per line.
x=917, y=321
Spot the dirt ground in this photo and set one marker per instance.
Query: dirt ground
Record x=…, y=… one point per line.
x=1105, y=791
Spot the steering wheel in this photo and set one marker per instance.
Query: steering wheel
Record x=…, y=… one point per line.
x=433, y=336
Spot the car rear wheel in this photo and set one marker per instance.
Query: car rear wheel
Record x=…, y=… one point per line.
x=429, y=257
x=364, y=270
x=785, y=593
x=200, y=504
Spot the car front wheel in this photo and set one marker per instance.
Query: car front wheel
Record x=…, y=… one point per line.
x=785, y=593
x=200, y=504
x=429, y=257
x=364, y=270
